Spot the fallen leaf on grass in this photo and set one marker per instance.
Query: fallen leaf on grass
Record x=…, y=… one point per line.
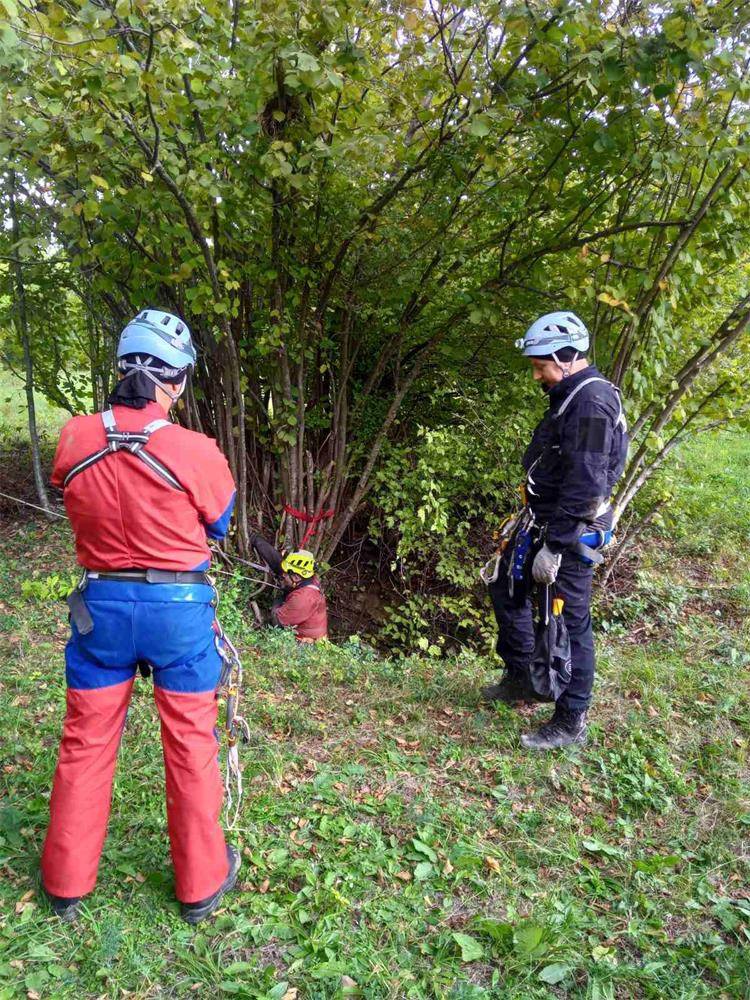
x=407, y=744
x=263, y=887
x=493, y=864
x=404, y=876
x=25, y=902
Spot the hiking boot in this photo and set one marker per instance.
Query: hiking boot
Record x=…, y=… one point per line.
x=193, y=913
x=565, y=728
x=512, y=687
x=65, y=907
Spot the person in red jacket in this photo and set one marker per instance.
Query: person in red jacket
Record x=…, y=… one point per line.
x=143, y=495
x=303, y=606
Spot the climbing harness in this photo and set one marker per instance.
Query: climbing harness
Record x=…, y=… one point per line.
x=311, y=520
x=491, y=570
x=521, y=542
x=621, y=421
x=235, y=726
x=589, y=545
x=132, y=441
x=517, y=536
x=230, y=681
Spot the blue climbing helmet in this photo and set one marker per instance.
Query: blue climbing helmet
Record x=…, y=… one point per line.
x=553, y=331
x=160, y=340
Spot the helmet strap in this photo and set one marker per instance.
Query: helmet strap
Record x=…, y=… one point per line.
x=565, y=366
x=174, y=396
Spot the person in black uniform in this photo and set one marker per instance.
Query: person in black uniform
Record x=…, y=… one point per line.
x=577, y=454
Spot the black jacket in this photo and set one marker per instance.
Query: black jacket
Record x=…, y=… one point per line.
x=267, y=552
x=577, y=454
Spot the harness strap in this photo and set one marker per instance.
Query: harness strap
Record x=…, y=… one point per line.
x=586, y=552
x=588, y=381
x=132, y=441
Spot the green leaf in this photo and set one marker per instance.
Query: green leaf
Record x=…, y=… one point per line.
x=423, y=871
x=499, y=931
x=529, y=939
x=479, y=125
x=471, y=949
x=554, y=973
x=599, y=847
x=423, y=848
x=234, y=967
x=662, y=90
x=307, y=63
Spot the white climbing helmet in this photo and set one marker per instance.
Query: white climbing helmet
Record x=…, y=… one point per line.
x=553, y=331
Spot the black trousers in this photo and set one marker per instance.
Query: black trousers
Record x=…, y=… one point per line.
x=515, y=618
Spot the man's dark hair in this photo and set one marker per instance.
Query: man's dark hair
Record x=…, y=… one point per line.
x=565, y=354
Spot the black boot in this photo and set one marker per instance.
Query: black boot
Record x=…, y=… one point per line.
x=193, y=913
x=513, y=687
x=66, y=907
x=565, y=728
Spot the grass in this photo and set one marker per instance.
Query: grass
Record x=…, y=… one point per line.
x=13, y=418
x=396, y=841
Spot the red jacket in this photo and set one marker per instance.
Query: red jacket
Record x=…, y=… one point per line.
x=124, y=515
x=305, y=610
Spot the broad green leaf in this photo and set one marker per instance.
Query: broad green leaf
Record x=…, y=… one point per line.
x=554, y=973
x=471, y=949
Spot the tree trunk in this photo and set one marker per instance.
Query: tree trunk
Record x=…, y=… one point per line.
x=22, y=327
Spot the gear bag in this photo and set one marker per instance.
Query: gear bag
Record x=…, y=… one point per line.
x=551, y=666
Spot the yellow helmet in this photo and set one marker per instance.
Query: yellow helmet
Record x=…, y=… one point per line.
x=301, y=562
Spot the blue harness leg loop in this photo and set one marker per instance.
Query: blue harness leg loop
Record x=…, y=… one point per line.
x=587, y=546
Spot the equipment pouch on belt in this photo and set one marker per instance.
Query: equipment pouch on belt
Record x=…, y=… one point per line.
x=520, y=545
x=79, y=613
x=491, y=570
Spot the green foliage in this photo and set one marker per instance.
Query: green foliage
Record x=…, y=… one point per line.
x=359, y=208
x=54, y=587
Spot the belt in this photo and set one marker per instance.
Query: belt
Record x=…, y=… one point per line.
x=150, y=576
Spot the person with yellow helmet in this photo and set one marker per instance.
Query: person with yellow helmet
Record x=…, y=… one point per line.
x=303, y=606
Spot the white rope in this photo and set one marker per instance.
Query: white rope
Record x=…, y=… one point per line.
x=44, y=510
x=224, y=555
